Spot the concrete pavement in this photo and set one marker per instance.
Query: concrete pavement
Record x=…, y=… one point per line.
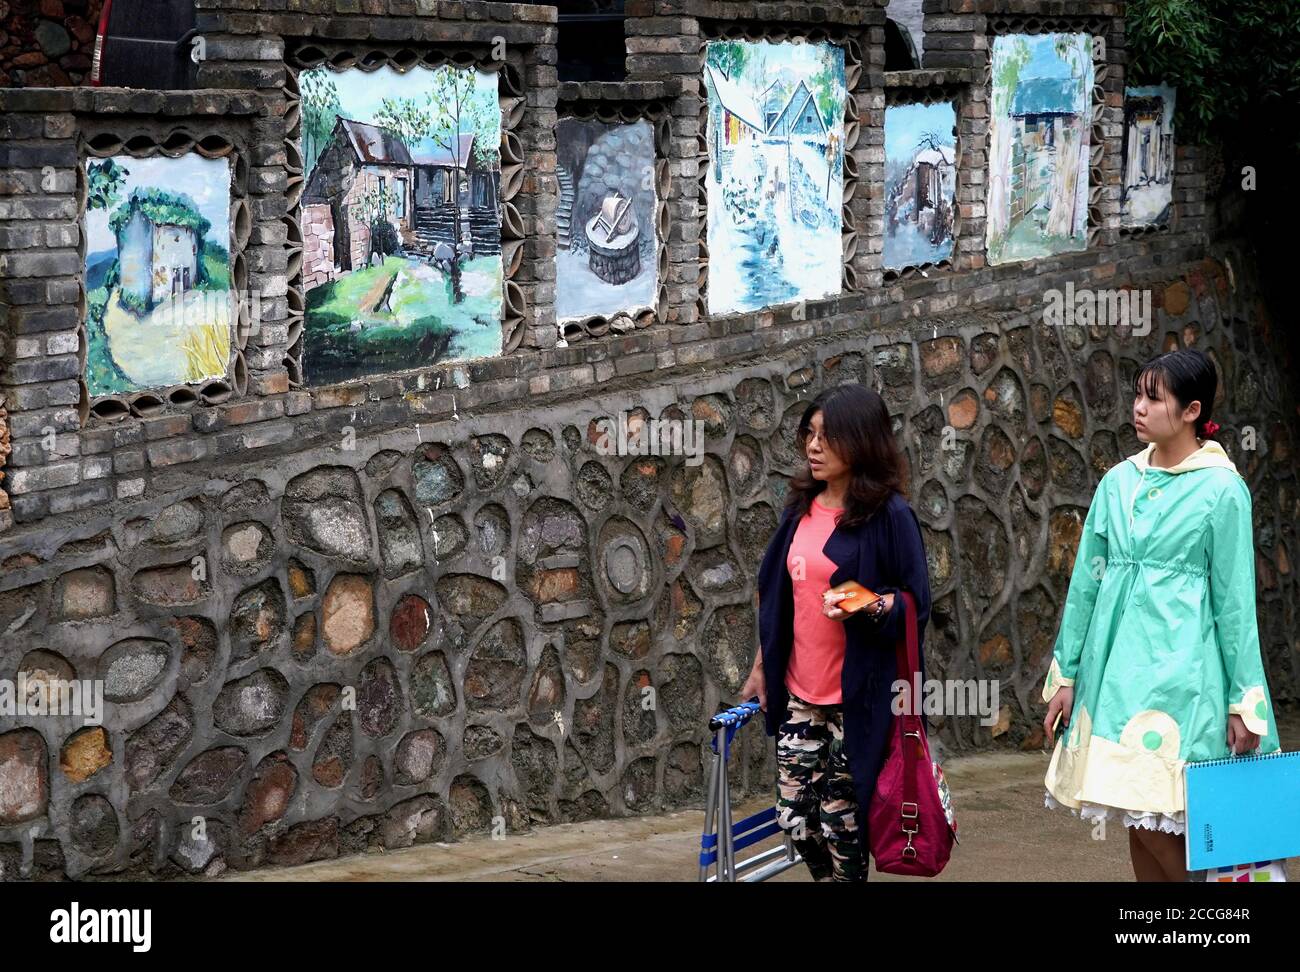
x=1006, y=835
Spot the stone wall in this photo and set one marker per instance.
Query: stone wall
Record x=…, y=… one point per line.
x=396, y=610
x=47, y=42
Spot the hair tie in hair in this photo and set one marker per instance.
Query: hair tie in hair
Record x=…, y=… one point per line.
x=1211, y=428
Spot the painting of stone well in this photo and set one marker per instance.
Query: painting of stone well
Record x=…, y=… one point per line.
x=605, y=239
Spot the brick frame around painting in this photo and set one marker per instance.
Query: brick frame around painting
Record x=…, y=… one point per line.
x=102, y=139
x=1105, y=164
x=612, y=102
x=861, y=234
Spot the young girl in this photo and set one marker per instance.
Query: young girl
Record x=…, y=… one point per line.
x=824, y=676
x=1157, y=661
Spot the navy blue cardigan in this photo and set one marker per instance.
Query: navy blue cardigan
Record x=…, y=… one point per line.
x=886, y=554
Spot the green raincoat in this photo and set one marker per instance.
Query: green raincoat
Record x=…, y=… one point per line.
x=1158, y=635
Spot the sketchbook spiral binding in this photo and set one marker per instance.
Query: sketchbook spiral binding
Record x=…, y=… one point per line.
x=1242, y=809
x=1242, y=759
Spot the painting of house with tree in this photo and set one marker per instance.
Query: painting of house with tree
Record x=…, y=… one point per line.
x=920, y=184
x=775, y=181
x=1039, y=138
x=401, y=227
x=1148, y=156
x=157, y=272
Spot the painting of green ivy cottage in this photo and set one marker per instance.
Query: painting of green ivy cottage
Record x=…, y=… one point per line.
x=400, y=221
x=157, y=272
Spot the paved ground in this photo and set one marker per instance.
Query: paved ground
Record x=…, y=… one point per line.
x=1006, y=835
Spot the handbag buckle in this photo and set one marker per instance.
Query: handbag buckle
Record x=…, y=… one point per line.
x=909, y=852
x=910, y=832
x=915, y=810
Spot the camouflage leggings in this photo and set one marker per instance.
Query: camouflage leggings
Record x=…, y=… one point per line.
x=816, y=800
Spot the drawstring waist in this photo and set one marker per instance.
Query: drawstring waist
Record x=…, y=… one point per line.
x=1161, y=564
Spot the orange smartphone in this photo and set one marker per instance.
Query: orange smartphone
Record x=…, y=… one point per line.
x=859, y=597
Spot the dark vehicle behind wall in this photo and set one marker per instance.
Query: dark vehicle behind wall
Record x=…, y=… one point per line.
x=148, y=43
x=145, y=44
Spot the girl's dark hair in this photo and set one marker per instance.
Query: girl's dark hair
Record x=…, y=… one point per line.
x=856, y=424
x=1189, y=375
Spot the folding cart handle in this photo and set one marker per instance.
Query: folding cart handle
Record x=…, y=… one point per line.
x=731, y=720
x=734, y=717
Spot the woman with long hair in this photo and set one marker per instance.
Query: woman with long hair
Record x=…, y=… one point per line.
x=1157, y=661
x=824, y=676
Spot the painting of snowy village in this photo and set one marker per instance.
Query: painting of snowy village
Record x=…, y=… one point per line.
x=605, y=260
x=157, y=272
x=920, y=184
x=1038, y=160
x=1148, y=155
x=775, y=179
x=401, y=231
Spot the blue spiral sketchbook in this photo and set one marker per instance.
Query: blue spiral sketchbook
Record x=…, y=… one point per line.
x=1242, y=809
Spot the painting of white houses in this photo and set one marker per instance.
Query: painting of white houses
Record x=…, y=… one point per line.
x=157, y=272
x=1038, y=158
x=1148, y=156
x=605, y=224
x=920, y=184
x=775, y=180
x=401, y=227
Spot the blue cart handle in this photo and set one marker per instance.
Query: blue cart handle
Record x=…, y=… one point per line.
x=731, y=719
x=734, y=717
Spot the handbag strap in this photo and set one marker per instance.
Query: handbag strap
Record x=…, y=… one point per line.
x=908, y=655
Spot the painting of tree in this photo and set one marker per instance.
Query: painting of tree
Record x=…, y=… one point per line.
x=320, y=109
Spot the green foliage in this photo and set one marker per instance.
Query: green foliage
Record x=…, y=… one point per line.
x=404, y=119
x=346, y=336
x=103, y=376
x=161, y=207
x=320, y=109
x=103, y=183
x=373, y=204
x=1014, y=55
x=132, y=302
x=214, y=267
x=728, y=57
x=1235, y=63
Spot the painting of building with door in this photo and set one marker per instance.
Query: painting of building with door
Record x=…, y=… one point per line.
x=775, y=175
x=1039, y=137
x=920, y=184
x=1147, y=199
x=605, y=233
x=401, y=226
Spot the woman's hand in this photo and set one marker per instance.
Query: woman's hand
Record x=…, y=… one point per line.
x=1240, y=739
x=829, y=609
x=1062, y=703
x=756, y=684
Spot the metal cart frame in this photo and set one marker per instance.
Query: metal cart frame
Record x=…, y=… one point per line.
x=719, y=844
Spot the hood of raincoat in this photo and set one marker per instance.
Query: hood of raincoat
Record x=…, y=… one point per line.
x=1208, y=456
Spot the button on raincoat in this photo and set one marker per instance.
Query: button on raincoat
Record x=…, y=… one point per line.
x=1158, y=635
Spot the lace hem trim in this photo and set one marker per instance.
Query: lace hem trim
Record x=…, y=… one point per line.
x=1145, y=819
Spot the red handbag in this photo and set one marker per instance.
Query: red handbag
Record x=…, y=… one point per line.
x=910, y=822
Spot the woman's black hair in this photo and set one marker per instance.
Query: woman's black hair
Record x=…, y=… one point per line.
x=855, y=422
x=1189, y=375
